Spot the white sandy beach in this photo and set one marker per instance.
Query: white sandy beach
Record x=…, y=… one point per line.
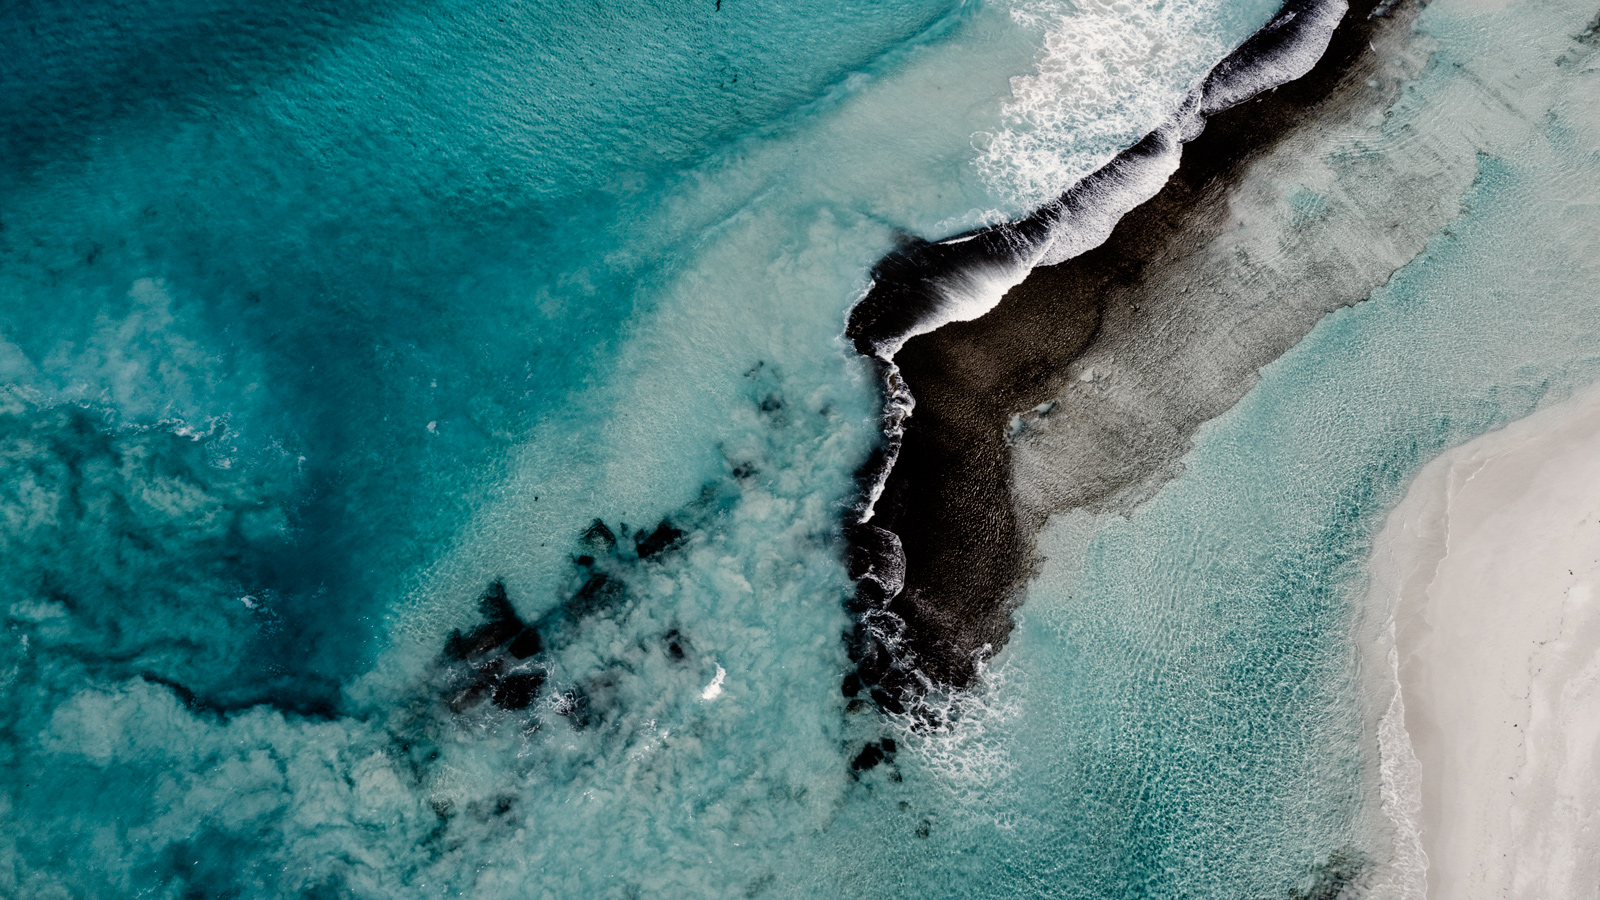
x=1492, y=562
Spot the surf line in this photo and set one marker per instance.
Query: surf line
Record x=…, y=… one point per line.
x=916, y=634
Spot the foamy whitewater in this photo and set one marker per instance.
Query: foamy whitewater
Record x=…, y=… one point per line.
x=428, y=434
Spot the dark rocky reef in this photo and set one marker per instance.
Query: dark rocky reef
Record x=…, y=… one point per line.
x=493, y=661
x=505, y=660
x=873, y=753
x=1009, y=423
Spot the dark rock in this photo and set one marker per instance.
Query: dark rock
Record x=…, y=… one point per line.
x=599, y=539
x=598, y=592
x=480, y=640
x=888, y=702
x=868, y=595
x=851, y=686
x=877, y=560
x=469, y=696
x=674, y=645
x=869, y=757
x=888, y=745
x=495, y=605
x=663, y=537
x=1330, y=879
x=899, y=681
x=517, y=691
x=502, y=626
x=525, y=644
x=874, y=663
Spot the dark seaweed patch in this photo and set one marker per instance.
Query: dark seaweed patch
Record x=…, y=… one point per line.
x=1591, y=35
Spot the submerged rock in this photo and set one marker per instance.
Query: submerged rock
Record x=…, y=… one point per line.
x=487, y=661
x=869, y=757
x=502, y=626
x=599, y=592
x=664, y=537
x=517, y=691
x=874, y=753
x=674, y=643
x=599, y=539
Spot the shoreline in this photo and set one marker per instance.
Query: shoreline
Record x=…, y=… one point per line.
x=1487, y=573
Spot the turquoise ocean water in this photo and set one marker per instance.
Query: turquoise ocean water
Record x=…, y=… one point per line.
x=318, y=320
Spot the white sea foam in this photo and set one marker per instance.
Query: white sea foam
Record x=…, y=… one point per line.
x=1113, y=192
x=1405, y=875
x=1401, y=873
x=968, y=751
x=1311, y=28
x=967, y=294
x=140, y=364
x=1037, y=160
x=1109, y=193
x=714, y=689
x=1109, y=72
x=1116, y=192
x=896, y=409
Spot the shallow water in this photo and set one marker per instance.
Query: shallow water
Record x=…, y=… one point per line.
x=1237, y=589
x=318, y=320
